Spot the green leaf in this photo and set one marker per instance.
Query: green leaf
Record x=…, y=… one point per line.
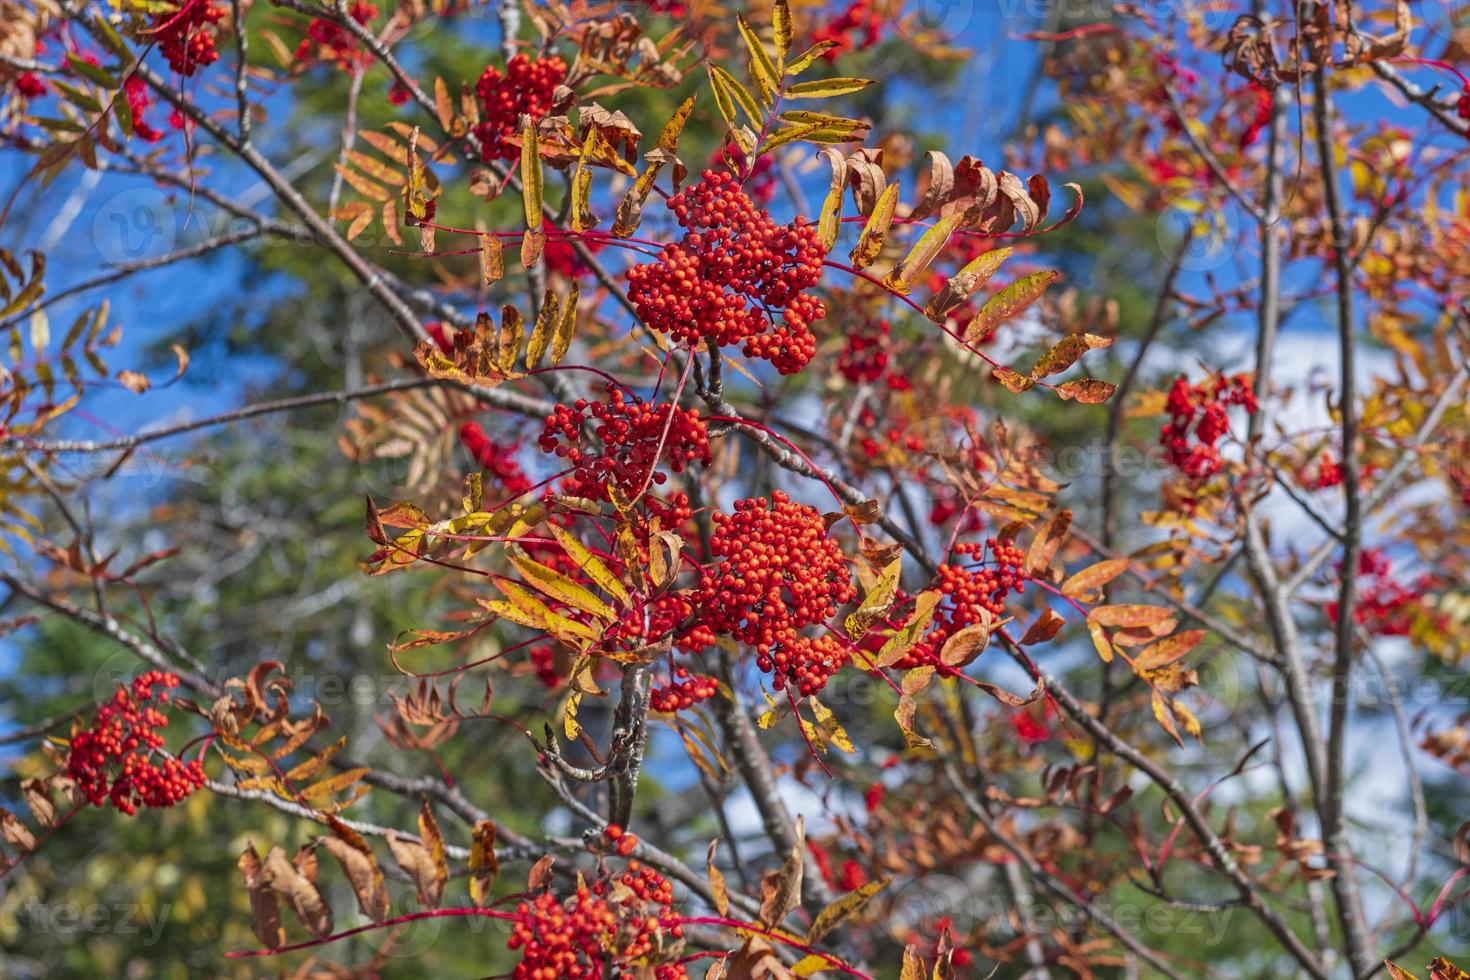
x=91, y=72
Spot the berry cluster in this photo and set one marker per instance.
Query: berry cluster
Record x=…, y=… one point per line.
x=186, y=37
x=543, y=662
x=139, y=102
x=29, y=85
x=879, y=444
x=685, y=691
x=973, y=593
x=1028, y=728
x=808, y=663
x=1202, y=408
x=330, y=42
x=1261, y=101
x=985, y=588
x=526, y=87
x=613, y=927
x=1328, y=474
x=110, y=761
x=780, y=572
x=625, y=844
x=865, y=358
x=658, y=618
x=634, y=437
x=760, y=183
x=1385, y=606
x=859, y=26
x=500, y=461
x=850, y=878
x=736, y=277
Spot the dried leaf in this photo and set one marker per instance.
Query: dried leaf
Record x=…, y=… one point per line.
x=298, y=891
x=781, y=889
x=841, y=909
x=1066, y=353
x=484, y=865
x=717, y=881
x=265, y=910
x=1088, y=391
x=361, y=867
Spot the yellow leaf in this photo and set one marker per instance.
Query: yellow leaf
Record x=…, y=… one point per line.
x=723, y=100
x=1094, y=577
x=902, y=640
x=828, y=721
x=826, y=88
x=870, y=243
x=566, y=325
x=556, y=585
x=546, y=321
x=875, y=605
x=733, y=89
x=924, y=252
x=717, y=881
x=766, y=79
x=508, y=342
x=804, y=60
x=595, y=568
x=781, y=21
x=443, y=107
x=484, y=865
x=531, y=177
x=1009, y=303
x=829, y=222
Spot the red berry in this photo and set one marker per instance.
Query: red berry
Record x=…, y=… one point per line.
x=112, y=760
x=186, y=36
x=736, y=277
x=526, y=87
x=781, y=572
x=629, y=439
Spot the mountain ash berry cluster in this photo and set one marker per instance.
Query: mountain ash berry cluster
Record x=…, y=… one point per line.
x=735, y=278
